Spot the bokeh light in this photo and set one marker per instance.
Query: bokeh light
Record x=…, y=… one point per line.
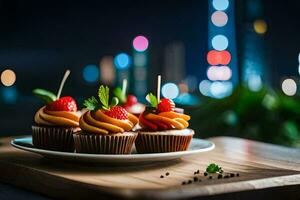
x=9, y=94
x=140, y=43
x=204, y=87
x=107, y=70
x=91, y=73
x=220, y=4
x=218, y=57
x=254, y=82
x=289, y=87
x=219, y=42
x=299, y=58
x=139, y=59
x=122, y=61
x=191, y=81
x=219, y=73
x=170, y=90
x=183, y=87
x=219, y=18
x=260, y=26
x=8, y=77
x=221, y=89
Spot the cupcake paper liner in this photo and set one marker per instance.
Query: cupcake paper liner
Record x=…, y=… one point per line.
x=155, y=142
x=54, y=138
x=119, y=143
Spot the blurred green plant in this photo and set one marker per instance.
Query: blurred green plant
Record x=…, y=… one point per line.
x=265, y=115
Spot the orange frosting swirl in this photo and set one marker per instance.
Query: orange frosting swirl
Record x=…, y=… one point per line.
x=99, y=123
x=56, y=118
x=164, y=120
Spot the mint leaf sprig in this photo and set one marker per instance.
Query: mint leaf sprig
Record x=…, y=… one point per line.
x=120, y=95
x=44, y=95
x=151, y=98
x=214, y=168
x=103, y=94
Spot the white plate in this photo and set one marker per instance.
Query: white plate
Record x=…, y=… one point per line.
x=196, y=146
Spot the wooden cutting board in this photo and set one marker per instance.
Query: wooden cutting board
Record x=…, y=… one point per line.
x=260, y=167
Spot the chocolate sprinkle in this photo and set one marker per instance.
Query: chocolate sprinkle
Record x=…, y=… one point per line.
x=205, y=173
x=232, y=175
x=226, y=176
x=161, y=176
x=195, y=179
x=167, y=174
x=220, y=176
x=210, y=177
x=237, y=174
x=183, y=183
x=190, y=181
x=198, y=171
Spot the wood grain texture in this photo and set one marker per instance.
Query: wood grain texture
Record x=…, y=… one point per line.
x=261, y=166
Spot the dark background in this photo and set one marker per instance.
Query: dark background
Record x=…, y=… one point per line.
x=40, y=39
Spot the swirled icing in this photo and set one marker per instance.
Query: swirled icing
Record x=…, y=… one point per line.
x=99, y=123
x=164, y=120
x=56, y=118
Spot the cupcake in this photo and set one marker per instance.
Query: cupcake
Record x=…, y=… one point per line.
x=129, y=102
x=105, y=129
x=163, y=129
x=56, y=122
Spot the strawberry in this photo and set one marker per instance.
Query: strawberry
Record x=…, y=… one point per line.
x=117, y=112
x=63, y=104
x=165, y=105
x=131, y=100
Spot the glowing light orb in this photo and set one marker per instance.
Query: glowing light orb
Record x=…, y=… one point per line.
x=260, y=26
x=219, y=18
x=289, y=87
x=170, y=90
x=220, y=4
x=183, y=87
x=219, y=42
x=8, y=77
x=140, y=43
x=254, y=82
x=9, y=94
x=299, y=69
x=90, y=73
x=221, y=89
x=107, y=70
x=221, y=73
x=122, y=61
x=218, y=57
x=204, y=87
x=139, y=59
x=299, y=58
x=191, y=81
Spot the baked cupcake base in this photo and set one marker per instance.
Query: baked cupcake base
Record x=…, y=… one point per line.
x=163, y=141
x=54, y=138
x=119, y=143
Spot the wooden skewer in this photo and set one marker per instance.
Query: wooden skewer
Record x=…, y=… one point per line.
x=124, y=87
x=67, y=73
x=158, y=87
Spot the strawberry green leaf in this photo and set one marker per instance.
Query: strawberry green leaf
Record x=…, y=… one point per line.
x=152, y=100
x=45, y=95
x=119, y=94
x=114, y=101
x=103, y=94
x=91, y=103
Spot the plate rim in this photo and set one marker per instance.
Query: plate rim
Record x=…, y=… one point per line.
x=45, y=152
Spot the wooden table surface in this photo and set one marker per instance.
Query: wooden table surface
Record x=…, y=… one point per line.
x=262, y=167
